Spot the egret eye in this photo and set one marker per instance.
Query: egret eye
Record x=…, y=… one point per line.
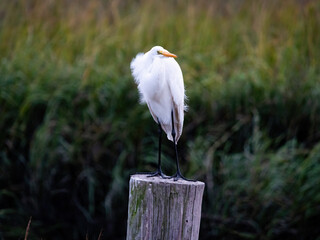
x=158, y=52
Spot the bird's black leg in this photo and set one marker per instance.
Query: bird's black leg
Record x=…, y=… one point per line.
x=159, y=171
x=178, y=174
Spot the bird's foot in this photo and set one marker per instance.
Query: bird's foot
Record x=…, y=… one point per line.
x=157, y=173
x=179, y=176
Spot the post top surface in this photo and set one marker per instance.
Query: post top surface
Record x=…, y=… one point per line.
x=157, y=179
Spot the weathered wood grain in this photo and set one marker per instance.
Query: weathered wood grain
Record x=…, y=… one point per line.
x=163, y=208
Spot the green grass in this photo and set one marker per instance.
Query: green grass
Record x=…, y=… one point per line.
x=72, y=129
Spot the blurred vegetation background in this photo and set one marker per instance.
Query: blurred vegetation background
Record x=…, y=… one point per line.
x=72, y=129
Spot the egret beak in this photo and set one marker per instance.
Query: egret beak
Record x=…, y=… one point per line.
x=167, y=54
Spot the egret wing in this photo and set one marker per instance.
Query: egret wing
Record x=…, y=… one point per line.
x=176, y=86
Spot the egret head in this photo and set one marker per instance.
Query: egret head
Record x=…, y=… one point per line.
x=161, y=52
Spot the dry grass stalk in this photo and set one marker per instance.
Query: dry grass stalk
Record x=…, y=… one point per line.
x=27, y=229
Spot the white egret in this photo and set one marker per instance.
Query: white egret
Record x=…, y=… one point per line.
x=160, y=83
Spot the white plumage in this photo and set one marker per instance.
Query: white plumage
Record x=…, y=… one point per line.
x=160, y=83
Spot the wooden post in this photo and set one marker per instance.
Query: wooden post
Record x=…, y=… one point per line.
x=163, y=208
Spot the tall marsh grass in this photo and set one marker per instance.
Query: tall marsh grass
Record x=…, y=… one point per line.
x=72, y=129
